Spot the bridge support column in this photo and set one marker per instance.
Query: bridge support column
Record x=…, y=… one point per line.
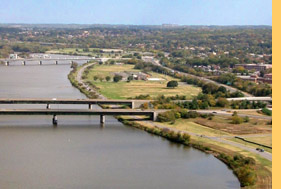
x=57, y=62
x=55, y=120
x=102, y=119
x=7, y=63
x=48, y=106
x=154, y=116
x=90, y=106
x=40, y=63
x=133, y=105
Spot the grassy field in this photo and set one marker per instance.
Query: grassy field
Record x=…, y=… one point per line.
x=124, y=90
x=223, y=123
x=190, y=126
x=265, y=140
x=79, y=51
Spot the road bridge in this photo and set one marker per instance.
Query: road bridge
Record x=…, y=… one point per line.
x=260, y=98
x=40, y=61
x=102, y=112
x=89, y=102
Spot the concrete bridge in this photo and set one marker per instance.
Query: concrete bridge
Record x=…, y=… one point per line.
x=55, y=60
x=131, y=103
x=40, y=62
x=102, y=112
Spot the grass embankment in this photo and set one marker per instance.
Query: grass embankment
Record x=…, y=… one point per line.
x=125, y=90
x=251, y=170
x=72, y=78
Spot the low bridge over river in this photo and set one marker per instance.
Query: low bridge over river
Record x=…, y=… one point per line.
x=102, y=112
x=90, y=111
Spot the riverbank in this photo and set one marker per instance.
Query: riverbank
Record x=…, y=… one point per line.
x=249, y=170
x=258, y=175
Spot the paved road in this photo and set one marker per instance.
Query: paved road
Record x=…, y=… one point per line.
x=265, y=155
x=80, y=80
x=231, y=89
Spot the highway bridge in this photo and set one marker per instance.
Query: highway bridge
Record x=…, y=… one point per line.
x=131, y=103
x=102, y=112
x=40, y=61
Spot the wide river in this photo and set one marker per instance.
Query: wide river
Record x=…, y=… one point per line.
x=81, y=154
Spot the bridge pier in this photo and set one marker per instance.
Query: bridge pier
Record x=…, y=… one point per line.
x=48, y=106
x=90, y=106
x=154, y=116
x=102, y=119
x=55, y=120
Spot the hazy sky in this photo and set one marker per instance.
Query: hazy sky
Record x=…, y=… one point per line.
x=185, y=12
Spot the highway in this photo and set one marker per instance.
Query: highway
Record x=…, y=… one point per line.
x=231, y=89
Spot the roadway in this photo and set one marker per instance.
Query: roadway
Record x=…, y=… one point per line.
x=231, y=89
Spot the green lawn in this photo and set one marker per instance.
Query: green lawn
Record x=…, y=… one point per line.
x=81, y=52
x=124, y=90
x=190, y=126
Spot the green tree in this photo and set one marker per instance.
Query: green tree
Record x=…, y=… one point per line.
x=172, y=84
x=117, y=78
x=108, y=78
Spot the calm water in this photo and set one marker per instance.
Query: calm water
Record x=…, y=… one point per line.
x=81, y=154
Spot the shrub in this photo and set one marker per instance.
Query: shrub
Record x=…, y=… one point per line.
x=117, y=78
x=267, y=111
x=172, y=84
x=222, y=102
x=107, y=78
x=166, y=116
x=236, y=119
x=246, y=119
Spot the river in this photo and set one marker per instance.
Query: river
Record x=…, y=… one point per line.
x=81, y=154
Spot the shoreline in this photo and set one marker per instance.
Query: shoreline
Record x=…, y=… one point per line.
x=220, y=153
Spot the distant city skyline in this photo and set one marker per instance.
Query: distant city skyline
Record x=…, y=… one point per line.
x=138, y=12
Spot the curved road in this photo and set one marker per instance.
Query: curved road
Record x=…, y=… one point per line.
x=231, y=89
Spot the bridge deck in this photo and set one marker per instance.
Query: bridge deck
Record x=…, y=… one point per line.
x=63, y=101
x=75, y=112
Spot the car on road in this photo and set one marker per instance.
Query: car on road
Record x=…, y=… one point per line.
x=260, y=149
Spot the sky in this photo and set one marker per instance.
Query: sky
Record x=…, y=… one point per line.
x=137, y=12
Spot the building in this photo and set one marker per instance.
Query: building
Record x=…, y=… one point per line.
x=257, y=67
x=254, y=78
x=267, y=78
x=13, y=56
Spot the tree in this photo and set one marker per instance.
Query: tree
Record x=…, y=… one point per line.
x=130, y=78
x=96, y=77
x=101, y=78
x=222, y=102
x=108, y=78
x=172, y=84
x=237, y=120
x=117, y=78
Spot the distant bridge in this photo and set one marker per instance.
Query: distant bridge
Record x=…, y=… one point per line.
x=56, y=60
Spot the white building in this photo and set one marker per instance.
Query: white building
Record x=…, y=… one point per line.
x=13, y=56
